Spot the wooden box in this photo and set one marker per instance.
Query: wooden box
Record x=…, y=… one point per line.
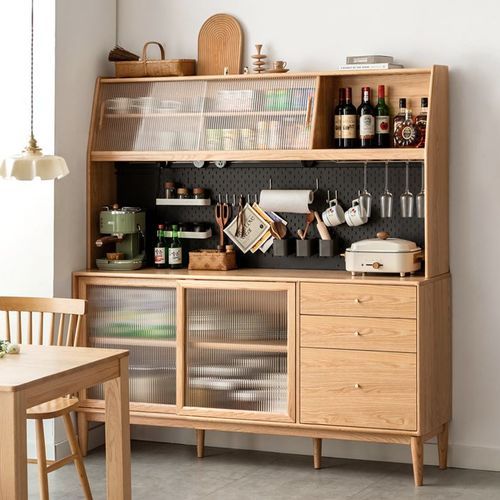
x=212, y=260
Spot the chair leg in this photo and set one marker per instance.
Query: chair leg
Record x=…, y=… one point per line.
x=317, y=453
x=417, y=455
x=75, y=450
x=43, y=480
x=443, y=447
x=83, y=432
x=200, y=443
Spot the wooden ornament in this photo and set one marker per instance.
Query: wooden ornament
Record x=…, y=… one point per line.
x=259, y=63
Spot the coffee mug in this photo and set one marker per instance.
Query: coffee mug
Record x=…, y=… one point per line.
x=334, y=214
x=356, y=215
x=279, y=64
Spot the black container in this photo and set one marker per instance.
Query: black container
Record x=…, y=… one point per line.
x=305, y=248
x=327, y=248
x=281, y=248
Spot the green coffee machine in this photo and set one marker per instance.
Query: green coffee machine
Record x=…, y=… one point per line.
x=124, y=228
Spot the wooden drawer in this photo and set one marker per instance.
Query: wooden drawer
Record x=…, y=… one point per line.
x=379, y=301
x=358, y=389
x=369, y=334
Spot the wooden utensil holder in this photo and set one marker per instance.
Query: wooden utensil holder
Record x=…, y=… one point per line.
x=212, y=260
x=155, y=67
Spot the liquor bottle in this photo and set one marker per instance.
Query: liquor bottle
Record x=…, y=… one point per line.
x=349, y=116
x=175, y=250
x=382, y=137
x=160, y=250
x=400, y=116
x=338, y=119
x=366, y=120
x=421, y=121
x=407, y=134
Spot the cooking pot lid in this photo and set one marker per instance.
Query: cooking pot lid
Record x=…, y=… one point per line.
x=383, y=243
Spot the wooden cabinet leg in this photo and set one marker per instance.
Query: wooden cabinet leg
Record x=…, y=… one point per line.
x=83, y=432
x=200, y=443
x=443, y=447
x=417, y=455
x=317, y=453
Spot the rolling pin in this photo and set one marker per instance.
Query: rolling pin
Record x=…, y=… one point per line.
x=322, y=229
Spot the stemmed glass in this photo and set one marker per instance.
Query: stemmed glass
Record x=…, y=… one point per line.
x=386, y=197
x=406, y=199
x=420, y=198
x=365, y=198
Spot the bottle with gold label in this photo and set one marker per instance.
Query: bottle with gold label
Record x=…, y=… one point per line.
x=349, y=117
x=421, y=121
x=406, y=133
x=338, y=119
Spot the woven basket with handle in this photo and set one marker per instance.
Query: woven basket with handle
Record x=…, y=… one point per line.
x=155, y=67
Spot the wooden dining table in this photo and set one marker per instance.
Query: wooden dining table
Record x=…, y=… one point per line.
x=41, y=373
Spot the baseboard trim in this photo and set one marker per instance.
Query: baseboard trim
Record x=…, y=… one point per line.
x=460, y=456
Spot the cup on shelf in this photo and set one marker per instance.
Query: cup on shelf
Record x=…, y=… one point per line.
x=279, y=65
x=334, y=215
x=356, y=215
x=118, y=105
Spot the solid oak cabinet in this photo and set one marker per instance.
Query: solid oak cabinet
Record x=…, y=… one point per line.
x=305, y=353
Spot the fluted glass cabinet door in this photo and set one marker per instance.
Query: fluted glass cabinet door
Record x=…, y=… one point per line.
x=142, y=320
x=239, y=350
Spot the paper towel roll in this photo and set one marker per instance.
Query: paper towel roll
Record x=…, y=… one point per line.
x=295, y=201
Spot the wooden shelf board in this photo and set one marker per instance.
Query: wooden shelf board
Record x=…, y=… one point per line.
x=242, y=345
x=142, y=342
x=212, y=114
x=389, y=154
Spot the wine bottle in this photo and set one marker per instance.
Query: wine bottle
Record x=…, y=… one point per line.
x=366, y=120
x=421, y=121
x=160, y=251
x=338, y=119
x=349, y=121
x=382, y=137
x=175, y=250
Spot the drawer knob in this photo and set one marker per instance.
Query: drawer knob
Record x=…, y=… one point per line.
x=357, y=333
x=357, y=301
x=357, y=386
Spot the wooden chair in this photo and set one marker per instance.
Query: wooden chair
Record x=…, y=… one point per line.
x=59, y=323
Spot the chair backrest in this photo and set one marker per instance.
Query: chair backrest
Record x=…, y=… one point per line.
x=63, y=316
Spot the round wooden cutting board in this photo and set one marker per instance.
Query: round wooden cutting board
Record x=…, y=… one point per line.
x=220, y=44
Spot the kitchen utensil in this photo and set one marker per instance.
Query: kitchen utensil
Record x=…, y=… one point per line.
x=356, y=215
x=259, y=63
x=386, y=198
x=420, y=198
x=240, y=221
x=123, y=227
x=406, y=199
x=322, y=230
x=222, y=212
x=305, y=248
x=383, y=255
x=220, y=44
x=278, y=229
x=300, y=234
x=309, y=219
x=281, y=248
x=334, y=215
x=255, y=227
x=326, y=248
x=365, y=198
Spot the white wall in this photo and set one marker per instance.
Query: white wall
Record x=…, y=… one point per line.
x=316, y=36
x=85, y=32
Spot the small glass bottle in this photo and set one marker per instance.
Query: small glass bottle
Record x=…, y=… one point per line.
x=198, y=193
x=175, y=250
x=406, y=135
x=169, y=189
x=182, y=193
x=160, y=250
x=421, y=121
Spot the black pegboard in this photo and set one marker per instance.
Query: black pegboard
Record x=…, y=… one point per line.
x=140, y=185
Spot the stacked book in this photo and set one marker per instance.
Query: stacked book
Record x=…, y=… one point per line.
x=369, y=62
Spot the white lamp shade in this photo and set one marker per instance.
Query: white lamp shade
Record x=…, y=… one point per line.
x=30, y=165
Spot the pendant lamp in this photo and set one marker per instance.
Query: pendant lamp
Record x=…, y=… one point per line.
x=32, y=163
